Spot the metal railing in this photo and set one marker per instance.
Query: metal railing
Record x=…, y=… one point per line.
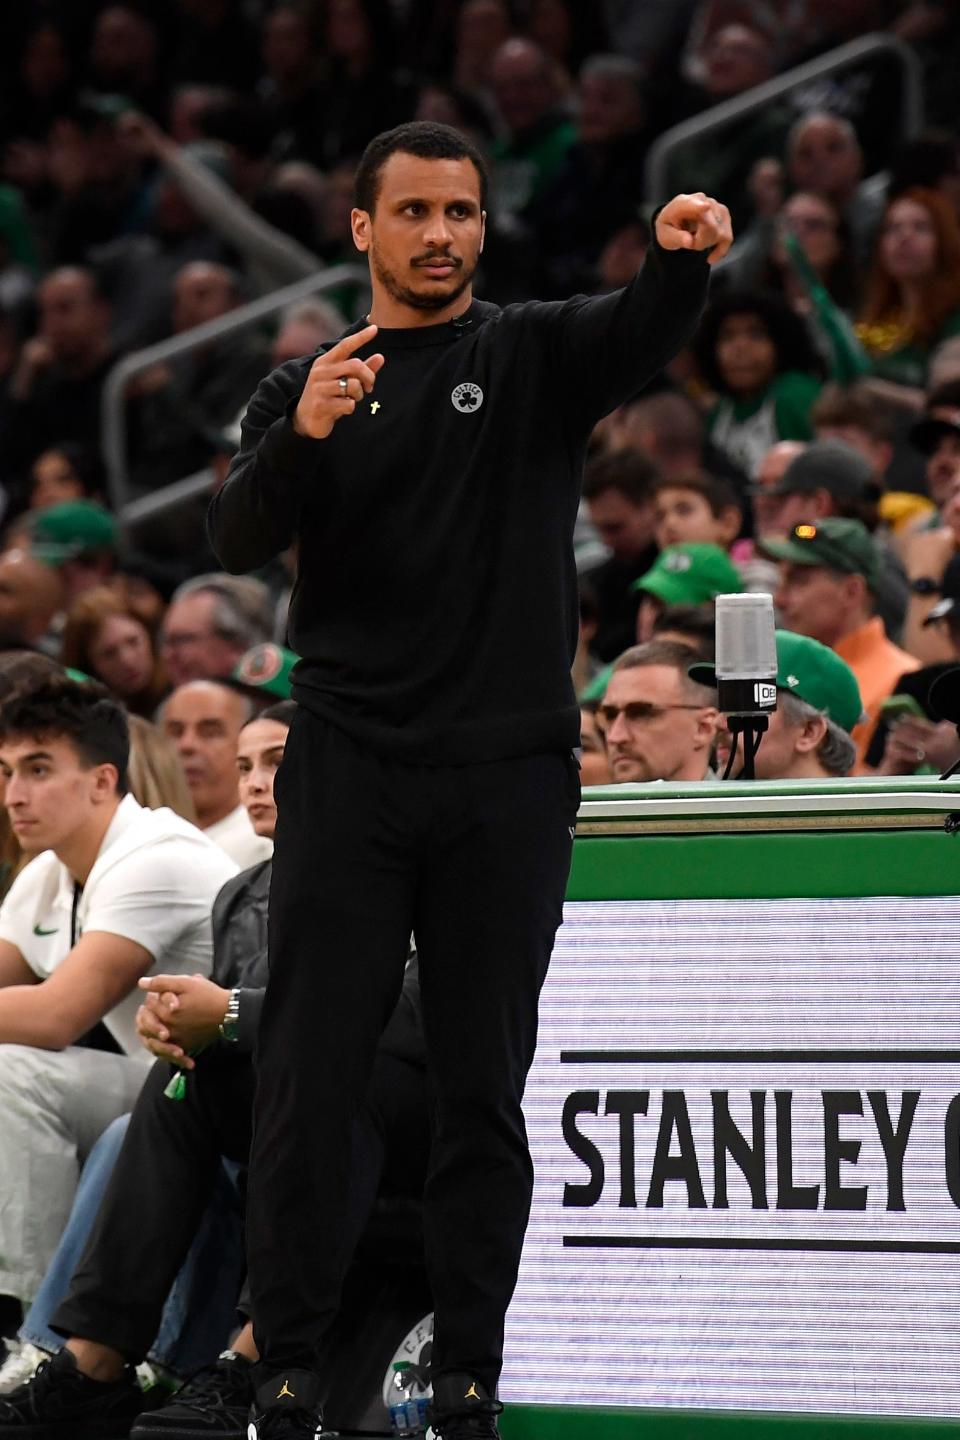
x=113, y=406
x=663, y=150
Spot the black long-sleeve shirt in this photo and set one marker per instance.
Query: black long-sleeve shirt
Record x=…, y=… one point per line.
x=435, y=523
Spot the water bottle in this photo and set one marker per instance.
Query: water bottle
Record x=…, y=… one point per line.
x=408, y=1400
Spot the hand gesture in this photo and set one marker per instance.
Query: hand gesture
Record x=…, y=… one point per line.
x=695, y=222
x=914, y=740
x=325, y=400
x=181, y=1013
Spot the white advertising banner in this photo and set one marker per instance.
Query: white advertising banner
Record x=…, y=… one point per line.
x=745, y=1122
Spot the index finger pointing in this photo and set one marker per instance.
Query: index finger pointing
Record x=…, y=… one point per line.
x=350, y=344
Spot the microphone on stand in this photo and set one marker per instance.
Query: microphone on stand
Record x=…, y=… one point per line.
x=944, y=699
x=746, y=670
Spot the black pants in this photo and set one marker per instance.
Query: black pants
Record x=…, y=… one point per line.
x=164, y=1178
x=474, y=860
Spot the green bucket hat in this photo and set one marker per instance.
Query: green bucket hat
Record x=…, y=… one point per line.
x=834, y=543
x=266, y=669
x=811, y=671
x=690, y=575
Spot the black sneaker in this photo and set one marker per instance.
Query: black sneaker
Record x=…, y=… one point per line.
x=462, y=1410
x=58, y=1403
x=213, y=1402
x=287, y=1407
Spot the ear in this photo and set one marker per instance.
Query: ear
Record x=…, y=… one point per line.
x=810, y=734
x=730, y=521
x=105, y=780
x=361, y=225
x=706, y=725
x=483, y=230
x=857, y=592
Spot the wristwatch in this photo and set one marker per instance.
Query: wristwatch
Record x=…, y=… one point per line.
x=230, y=1024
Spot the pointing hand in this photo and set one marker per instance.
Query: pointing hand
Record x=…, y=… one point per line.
x=695, y=222
x=324, y=400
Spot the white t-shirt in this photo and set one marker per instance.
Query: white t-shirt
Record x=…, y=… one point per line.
x=235, y=834
x=154, y=881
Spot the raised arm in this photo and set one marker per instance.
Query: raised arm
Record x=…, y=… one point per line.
x=256, y=513
x=608, y=348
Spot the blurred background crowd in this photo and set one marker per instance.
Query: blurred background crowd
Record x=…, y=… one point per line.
x=167, y=164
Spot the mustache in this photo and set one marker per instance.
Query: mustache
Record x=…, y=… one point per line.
x=439, y=258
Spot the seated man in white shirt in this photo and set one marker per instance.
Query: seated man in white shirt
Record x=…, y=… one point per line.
x=203, y=719
x=118, y=892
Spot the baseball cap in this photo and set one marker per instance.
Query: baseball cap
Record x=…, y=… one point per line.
x=266, y=669
x=949, y=603
x=834, y=543
x=826, y=465
x=926, y=435
x=690, y=575
x=811, y=671
x=72, y=528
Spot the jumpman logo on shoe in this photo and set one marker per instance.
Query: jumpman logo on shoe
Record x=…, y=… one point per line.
x=286, y=1391
x=472, y=1392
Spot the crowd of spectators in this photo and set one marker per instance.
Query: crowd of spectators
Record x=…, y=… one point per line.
x=166, y=161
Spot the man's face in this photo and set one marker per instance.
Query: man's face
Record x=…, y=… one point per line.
x=204, y=722
x=30, y=594
x=200, y=293
x=49, y=792
x=943, y=463
x=800, y=507
x=737, y=58
x=825, y=159
x=667, y=737
x=425, y=235
x=191, y=647
x=522, y=85
x=71, y=315
x=813, y=601
x=259, y=752
x=610, y=107
x=627, y=528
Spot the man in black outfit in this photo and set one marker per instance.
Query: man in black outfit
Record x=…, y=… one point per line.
x=428, y=464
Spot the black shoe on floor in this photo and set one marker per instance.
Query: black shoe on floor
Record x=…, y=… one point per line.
x=58, y=1403
x=462, y=1410
x=215, y=1402
x=287, y=1407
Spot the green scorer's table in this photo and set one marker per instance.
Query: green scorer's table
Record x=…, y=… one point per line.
x=745, y=1120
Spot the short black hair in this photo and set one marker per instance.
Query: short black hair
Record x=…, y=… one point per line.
x=85, y=713
x=788, y=333
x=629, y=472
x=719, y=493
x=427, y=140
x=283, y=713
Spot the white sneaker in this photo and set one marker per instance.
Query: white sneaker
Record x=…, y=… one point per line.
x=20, y=1365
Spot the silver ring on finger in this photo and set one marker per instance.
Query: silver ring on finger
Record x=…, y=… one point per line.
x=344, y=384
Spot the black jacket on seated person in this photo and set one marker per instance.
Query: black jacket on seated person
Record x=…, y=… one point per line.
x=168, y=1166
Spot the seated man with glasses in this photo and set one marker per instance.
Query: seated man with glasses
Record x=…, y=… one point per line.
x=658, y=724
